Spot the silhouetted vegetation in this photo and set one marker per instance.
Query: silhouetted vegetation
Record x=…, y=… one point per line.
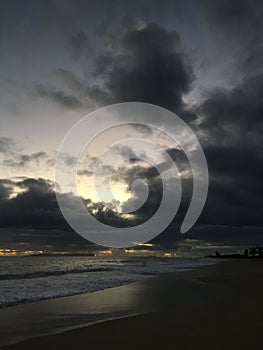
x=251, y=253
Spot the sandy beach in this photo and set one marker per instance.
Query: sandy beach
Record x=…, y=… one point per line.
x=215, y=307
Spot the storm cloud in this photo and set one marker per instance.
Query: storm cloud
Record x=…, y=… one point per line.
x=141, y=62
x=145, y=63
x=200, y=59
x=240, y=19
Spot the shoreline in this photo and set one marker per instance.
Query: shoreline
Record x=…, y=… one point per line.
x=41, y=295
x=217, y=307
x=52, y=316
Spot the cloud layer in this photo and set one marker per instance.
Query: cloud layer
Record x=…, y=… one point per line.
x=159, y=57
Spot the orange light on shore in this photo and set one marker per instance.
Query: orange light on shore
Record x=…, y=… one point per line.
x=30, y=252
x=14, y=252
x=103, y=252
x=145, y=244
x=167, y=255
x=8, y=252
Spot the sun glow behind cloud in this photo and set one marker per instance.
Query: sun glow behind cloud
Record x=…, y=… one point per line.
x=120, y=191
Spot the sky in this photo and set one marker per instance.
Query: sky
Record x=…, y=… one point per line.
x=61, y=60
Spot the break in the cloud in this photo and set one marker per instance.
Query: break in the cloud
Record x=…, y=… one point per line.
x=29, y=207
x=29, y=214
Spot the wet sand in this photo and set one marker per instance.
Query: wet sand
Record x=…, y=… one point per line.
x=216, y=307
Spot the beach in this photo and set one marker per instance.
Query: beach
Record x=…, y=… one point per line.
x=213, y=307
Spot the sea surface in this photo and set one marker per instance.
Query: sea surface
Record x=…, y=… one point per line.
x=25, y=279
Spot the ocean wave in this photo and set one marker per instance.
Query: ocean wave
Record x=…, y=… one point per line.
x=30, y=275
x=32, y=279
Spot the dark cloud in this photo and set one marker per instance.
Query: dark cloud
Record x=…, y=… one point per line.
x=79, y=46
x=124, y=151
x=30, y=217
x=251, y=65
x=73, y=83
x=33, y=205
x=227, y=234
x=5, y=189
x=231, y=128
x=144, y=63
x=137, y=169
x=28, y=160
x=236, y=163
x=237, y=18
x=109, y=216
x=233, y=202
x=29, y=205
x=235, y=189
x=234, y=115
x=7, y=145
x=232, y=124
x=60, y=97
x=140, y=62
x=13, y=157
x=180, y=158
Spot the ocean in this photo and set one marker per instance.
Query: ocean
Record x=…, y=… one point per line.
x=25, y=279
